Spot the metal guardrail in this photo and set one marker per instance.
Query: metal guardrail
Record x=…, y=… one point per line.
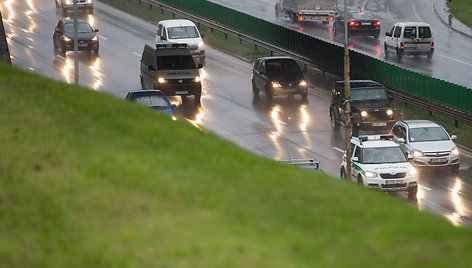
x=402, y=95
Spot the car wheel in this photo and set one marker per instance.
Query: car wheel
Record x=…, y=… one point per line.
x=343, y=174
x=412, y=192
x=255, y=90
x=197, y=96
x=95, y=51
x=386, y=50
x=455, y=169
x=359, y=180
x=304, y=96
x=399, y=54
x=335, y=32
x=376, y=36
x=63, y=50
x=334, y=124
x=269, y=94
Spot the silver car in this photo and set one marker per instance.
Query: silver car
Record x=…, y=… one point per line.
x=428, y=143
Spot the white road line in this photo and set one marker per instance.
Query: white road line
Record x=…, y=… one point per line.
x=101, y=36
x=42, y=9
x=137, y=54
x=426, y=188
x=61, y=57
x=339, y=150
x=463, y=62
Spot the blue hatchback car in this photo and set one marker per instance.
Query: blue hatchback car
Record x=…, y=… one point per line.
x=154, y=99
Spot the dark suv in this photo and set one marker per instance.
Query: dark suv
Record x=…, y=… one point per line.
x=370, y=106
x=63, y=37
x=278, y=76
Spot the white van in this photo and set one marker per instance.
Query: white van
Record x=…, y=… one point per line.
x=409, y=38
x=182, y=31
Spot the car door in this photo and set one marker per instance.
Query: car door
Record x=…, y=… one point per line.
x=410, y=38
x=256, y=69
x=148, y=69
x=356, y=152
x=57, y=34
x=424, y=38
x=389, y=39
x=262, y=77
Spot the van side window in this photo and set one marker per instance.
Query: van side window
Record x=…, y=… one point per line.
x=410, y=32
x=424, y=32
x=357, y=154
x=164, y=34
x=398, y=31
x=257, y=67
x=159, y=30
x=263, y=68
x=391, y=31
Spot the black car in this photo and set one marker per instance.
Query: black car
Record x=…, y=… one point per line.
x=68, y=6
x=359, y=23
x=370, y=106
x=278, y=76
x=63, y=37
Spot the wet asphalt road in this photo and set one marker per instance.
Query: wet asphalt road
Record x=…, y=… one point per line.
x=452, y=60
x=286, y=128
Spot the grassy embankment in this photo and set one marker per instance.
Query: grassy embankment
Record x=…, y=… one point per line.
x=462, y=9
x=246, y=50
x=89, y=180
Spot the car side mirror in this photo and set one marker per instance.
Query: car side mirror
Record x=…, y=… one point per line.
x=400, y=140
x=409, y=156
x=202, y=35
x=57, y=30
x=96, y=30
x=355, y=159
x=173, y=105
x=151, y=68
x=387, y=34
x=453, y=137
x=200, y=66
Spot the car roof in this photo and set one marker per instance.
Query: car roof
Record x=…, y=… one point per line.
x=412, y=23
x=377, y=143
x=146, y=92
x=420, y=123
x=177, y=22
x=276, y=58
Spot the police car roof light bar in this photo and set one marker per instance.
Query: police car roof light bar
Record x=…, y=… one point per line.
x=171, y=45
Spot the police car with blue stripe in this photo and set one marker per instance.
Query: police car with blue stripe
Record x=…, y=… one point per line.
x=378, y=162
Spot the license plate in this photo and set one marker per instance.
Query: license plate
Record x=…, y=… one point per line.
x=181, y=92
x=366, y=23
x=83, y=45
x=393, y=181
x=379, y=124
x=437, y=160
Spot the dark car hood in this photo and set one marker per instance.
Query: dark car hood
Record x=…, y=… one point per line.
x=82, y=36
x=374, y=104
x=286, y=77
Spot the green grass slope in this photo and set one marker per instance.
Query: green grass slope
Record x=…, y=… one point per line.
x=88, y=180
x=462, y=9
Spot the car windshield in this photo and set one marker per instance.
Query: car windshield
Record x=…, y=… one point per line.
x=424, y=32
x=81, y=28
x=177, y=62
x=369, y=94
x=383, y=155
x=182, y=32
x=410, y=32
x=363, y=15
x=155, y=101
x=428, y=134
x=282, y=66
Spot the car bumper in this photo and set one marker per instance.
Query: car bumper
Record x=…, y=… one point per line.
x=289, y=90
x=368, y=32
x=81, y=46
x=180, y=89
x=371, y=125
x=392, y=185
x=80, y=7
x=198, y=56
x=445, y=161
x=407, y=51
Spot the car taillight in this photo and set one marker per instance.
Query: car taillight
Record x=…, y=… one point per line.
x=301, y=18
x=432, y=45
x=377, y=23
x=354, y=23
x=402, y=46
x=331, y=19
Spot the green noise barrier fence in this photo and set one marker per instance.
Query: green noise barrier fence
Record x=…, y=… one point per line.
x=330, y=57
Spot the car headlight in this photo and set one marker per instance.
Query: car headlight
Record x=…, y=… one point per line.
x=370, y=174
x=200, y=44
x=389, y=112
x=95, y=38
x=275, y=84
x=197, y=79
x=89, y=1
x=455, y=151
x=412, y=172
x=67, y=39
x=363, y=113
x=302, y=83
x=174, y=118
x=161, y=80
x=68, y=2
x=417, y=153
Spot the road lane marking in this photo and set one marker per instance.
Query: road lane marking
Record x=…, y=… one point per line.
x=339, y=150
x=43, y=9
x=426, y=188
x=103, y=37
x=137, y=54
x=463, y=62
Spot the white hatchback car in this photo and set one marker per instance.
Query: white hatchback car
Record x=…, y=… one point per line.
x=378, y=162
x=182, y=31
x=409, y=38
x=428, y=143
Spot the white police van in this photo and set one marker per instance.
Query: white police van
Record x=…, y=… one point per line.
x=170, y=68
x=378, y=162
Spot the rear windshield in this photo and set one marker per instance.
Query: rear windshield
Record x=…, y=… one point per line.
x=183, y=32
x=366, y=15
x=369, y=94
x=424, y=32
x=410, y=32
x=81, y=28
x=176, y=62
x=282, y=66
